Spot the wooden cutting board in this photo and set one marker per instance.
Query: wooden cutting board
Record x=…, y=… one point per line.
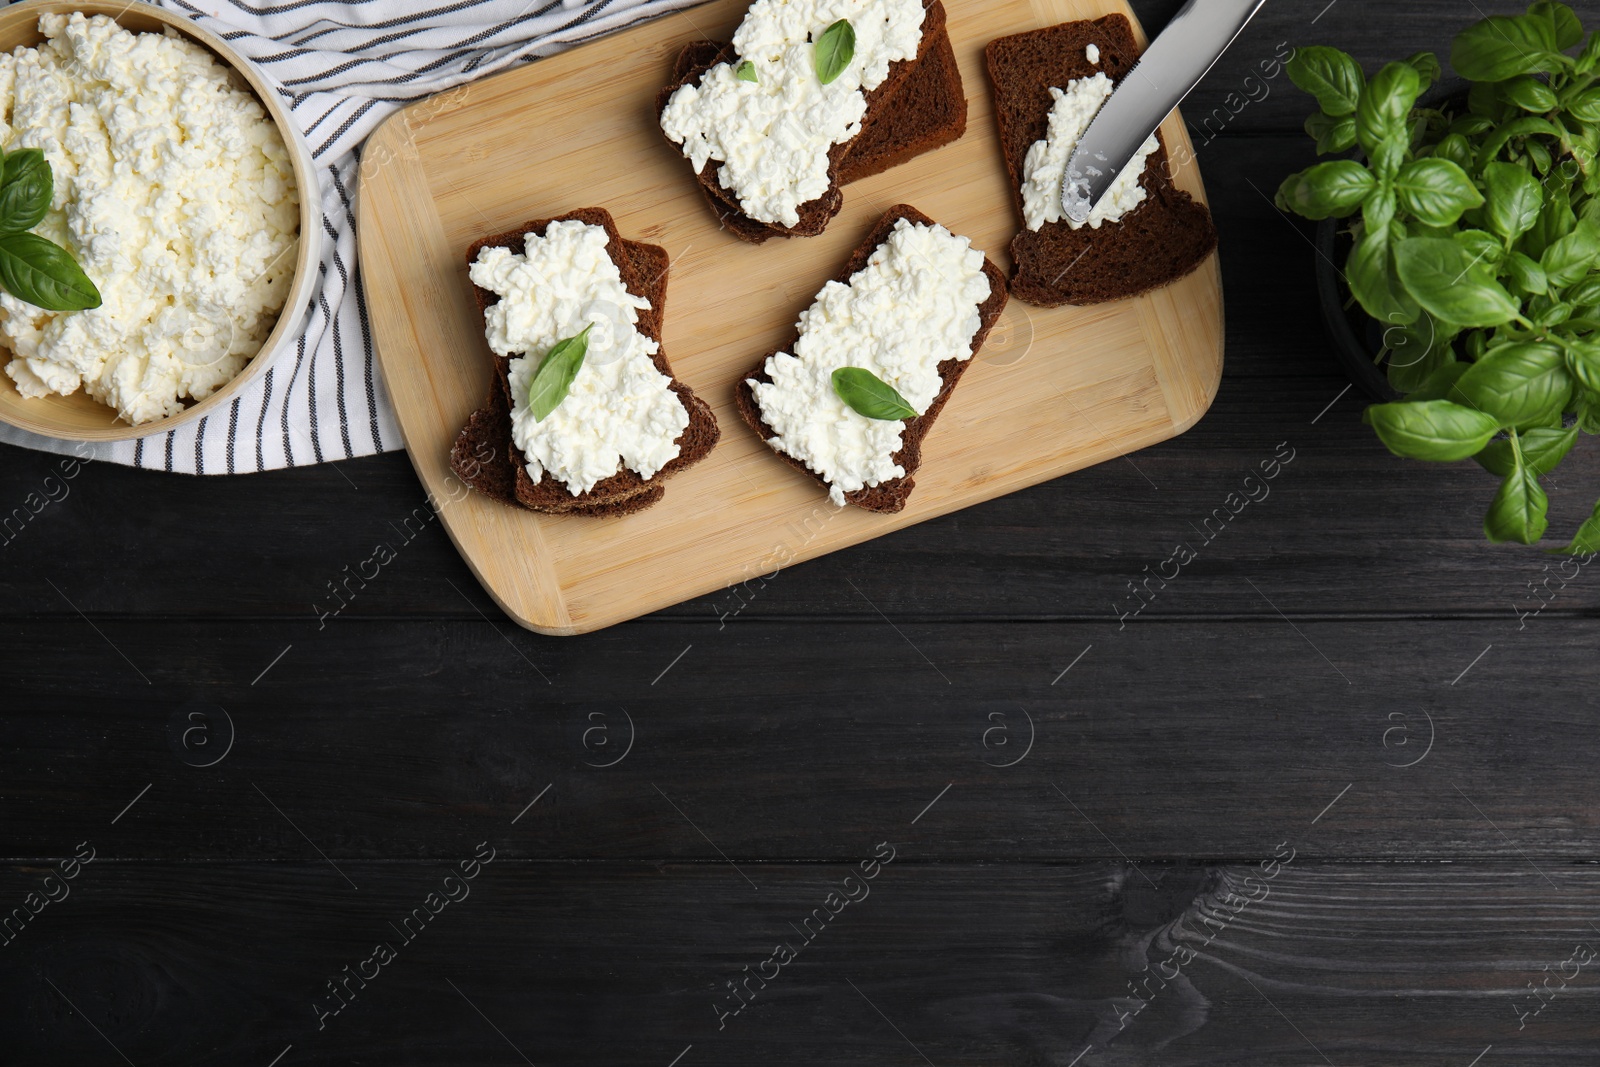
x=1052, y=392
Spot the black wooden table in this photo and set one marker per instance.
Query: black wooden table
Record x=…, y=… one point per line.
x=1328, y=799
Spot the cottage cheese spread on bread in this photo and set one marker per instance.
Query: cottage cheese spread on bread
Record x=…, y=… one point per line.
x=175, y=194
x=620, y=411
x=913, y=306
x=773, y=135
x=1046, y=164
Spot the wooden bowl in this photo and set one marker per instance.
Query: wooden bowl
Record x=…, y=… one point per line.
x=79, y=417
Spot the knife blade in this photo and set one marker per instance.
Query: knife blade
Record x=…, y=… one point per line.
x=1173, y=65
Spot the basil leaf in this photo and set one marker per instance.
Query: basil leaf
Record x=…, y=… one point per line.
x=1378, y=211
x=1477, y=344
x=1586, y=542
x=869, y=395
x=1590, y=56
x=1332, y=134
x=1527, y=126
x=1470, y=125
x=1529, y=93
x=1484, y=247
x=1431, y=429
x=1441, y=276
x=1543, y=450
x=27, y=187
x=1583, y=359
x=1539, y=155
x=1585, y=107
x=1518, y=512
x=1545, y=447
x=1568, y=260
x=1513, y=201
x=1588, y=411
x=1327, y=190
x=1556, y=313
x=1591, y=180
x=1387, y=152
x=834, y=50
x=1457, y=149
x=1332, y=76
x=1520, y=384
x=1556, y=220
x=1501, y=47
x=1440, y=384
x=1426, y=64
x=1383, y=114
x=1590, y=209
x=1367, y=274
x=1526, y=275
x=1585, y=294
x=1417, y=351
x=1585, y=146
x=44, y=274
x=1436, y=191
x=1563, y=22
x=554, y=378
x=1387, y=100
x=746, y=71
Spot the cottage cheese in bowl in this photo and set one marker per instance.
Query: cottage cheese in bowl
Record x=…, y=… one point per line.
x=175, y=193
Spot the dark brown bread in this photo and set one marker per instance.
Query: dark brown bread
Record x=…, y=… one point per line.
x=919, y=107
x=486, y=457
x=929, y=111
x=890, y=496
x=1164, y=238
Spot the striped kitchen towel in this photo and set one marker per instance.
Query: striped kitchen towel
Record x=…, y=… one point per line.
x=344, y=68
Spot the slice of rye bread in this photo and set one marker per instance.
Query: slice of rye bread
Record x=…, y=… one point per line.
x=890, y=496
x=1168, y=235
x=487, y=458
x=919, y=107
x=483, y=457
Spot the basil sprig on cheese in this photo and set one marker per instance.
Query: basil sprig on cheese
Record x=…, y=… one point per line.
x=32, y=268
x=869, y=395
x=554, y=378
x=834, y=50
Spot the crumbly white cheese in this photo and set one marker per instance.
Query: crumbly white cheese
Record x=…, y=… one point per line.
x=620, y=411
x=913, y=306
x=1046, y=162
x=772, y=136
x=1092, y=54
x=175, y=194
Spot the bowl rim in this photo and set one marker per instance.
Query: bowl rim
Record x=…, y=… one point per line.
x=308, y=253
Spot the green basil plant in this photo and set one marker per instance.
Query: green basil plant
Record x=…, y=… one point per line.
x=1476, y=230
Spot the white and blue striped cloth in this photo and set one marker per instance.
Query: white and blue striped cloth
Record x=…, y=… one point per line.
x=343, y=68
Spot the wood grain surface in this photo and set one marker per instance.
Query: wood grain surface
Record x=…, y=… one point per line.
x=779, y=736
x=1053, y=391
x=1269, y=699
x=628, y=964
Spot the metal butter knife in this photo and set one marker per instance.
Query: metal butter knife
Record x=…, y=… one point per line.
x=1173, y=65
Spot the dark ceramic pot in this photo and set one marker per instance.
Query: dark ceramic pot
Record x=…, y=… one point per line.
x=1356, y=336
